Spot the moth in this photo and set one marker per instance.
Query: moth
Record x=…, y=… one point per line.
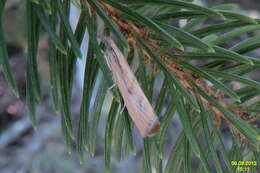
x=138, y=106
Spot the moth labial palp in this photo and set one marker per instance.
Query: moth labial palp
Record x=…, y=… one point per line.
x=138, y=106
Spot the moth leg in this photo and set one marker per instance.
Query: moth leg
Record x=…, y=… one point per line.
x=111, y=87
x=115, y=82
x=122, y=109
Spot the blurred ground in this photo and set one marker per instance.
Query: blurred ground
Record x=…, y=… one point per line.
x=24, y=150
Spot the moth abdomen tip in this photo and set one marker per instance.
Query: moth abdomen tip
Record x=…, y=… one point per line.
x=154, y=127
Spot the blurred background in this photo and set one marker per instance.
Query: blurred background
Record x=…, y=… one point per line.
x=24, y=150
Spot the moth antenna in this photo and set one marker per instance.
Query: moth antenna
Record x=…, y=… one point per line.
x=108, y=64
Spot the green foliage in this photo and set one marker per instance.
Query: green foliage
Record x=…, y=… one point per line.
x=4, y=56
x=164, y=51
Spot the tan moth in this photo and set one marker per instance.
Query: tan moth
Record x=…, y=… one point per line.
x=135, y=101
